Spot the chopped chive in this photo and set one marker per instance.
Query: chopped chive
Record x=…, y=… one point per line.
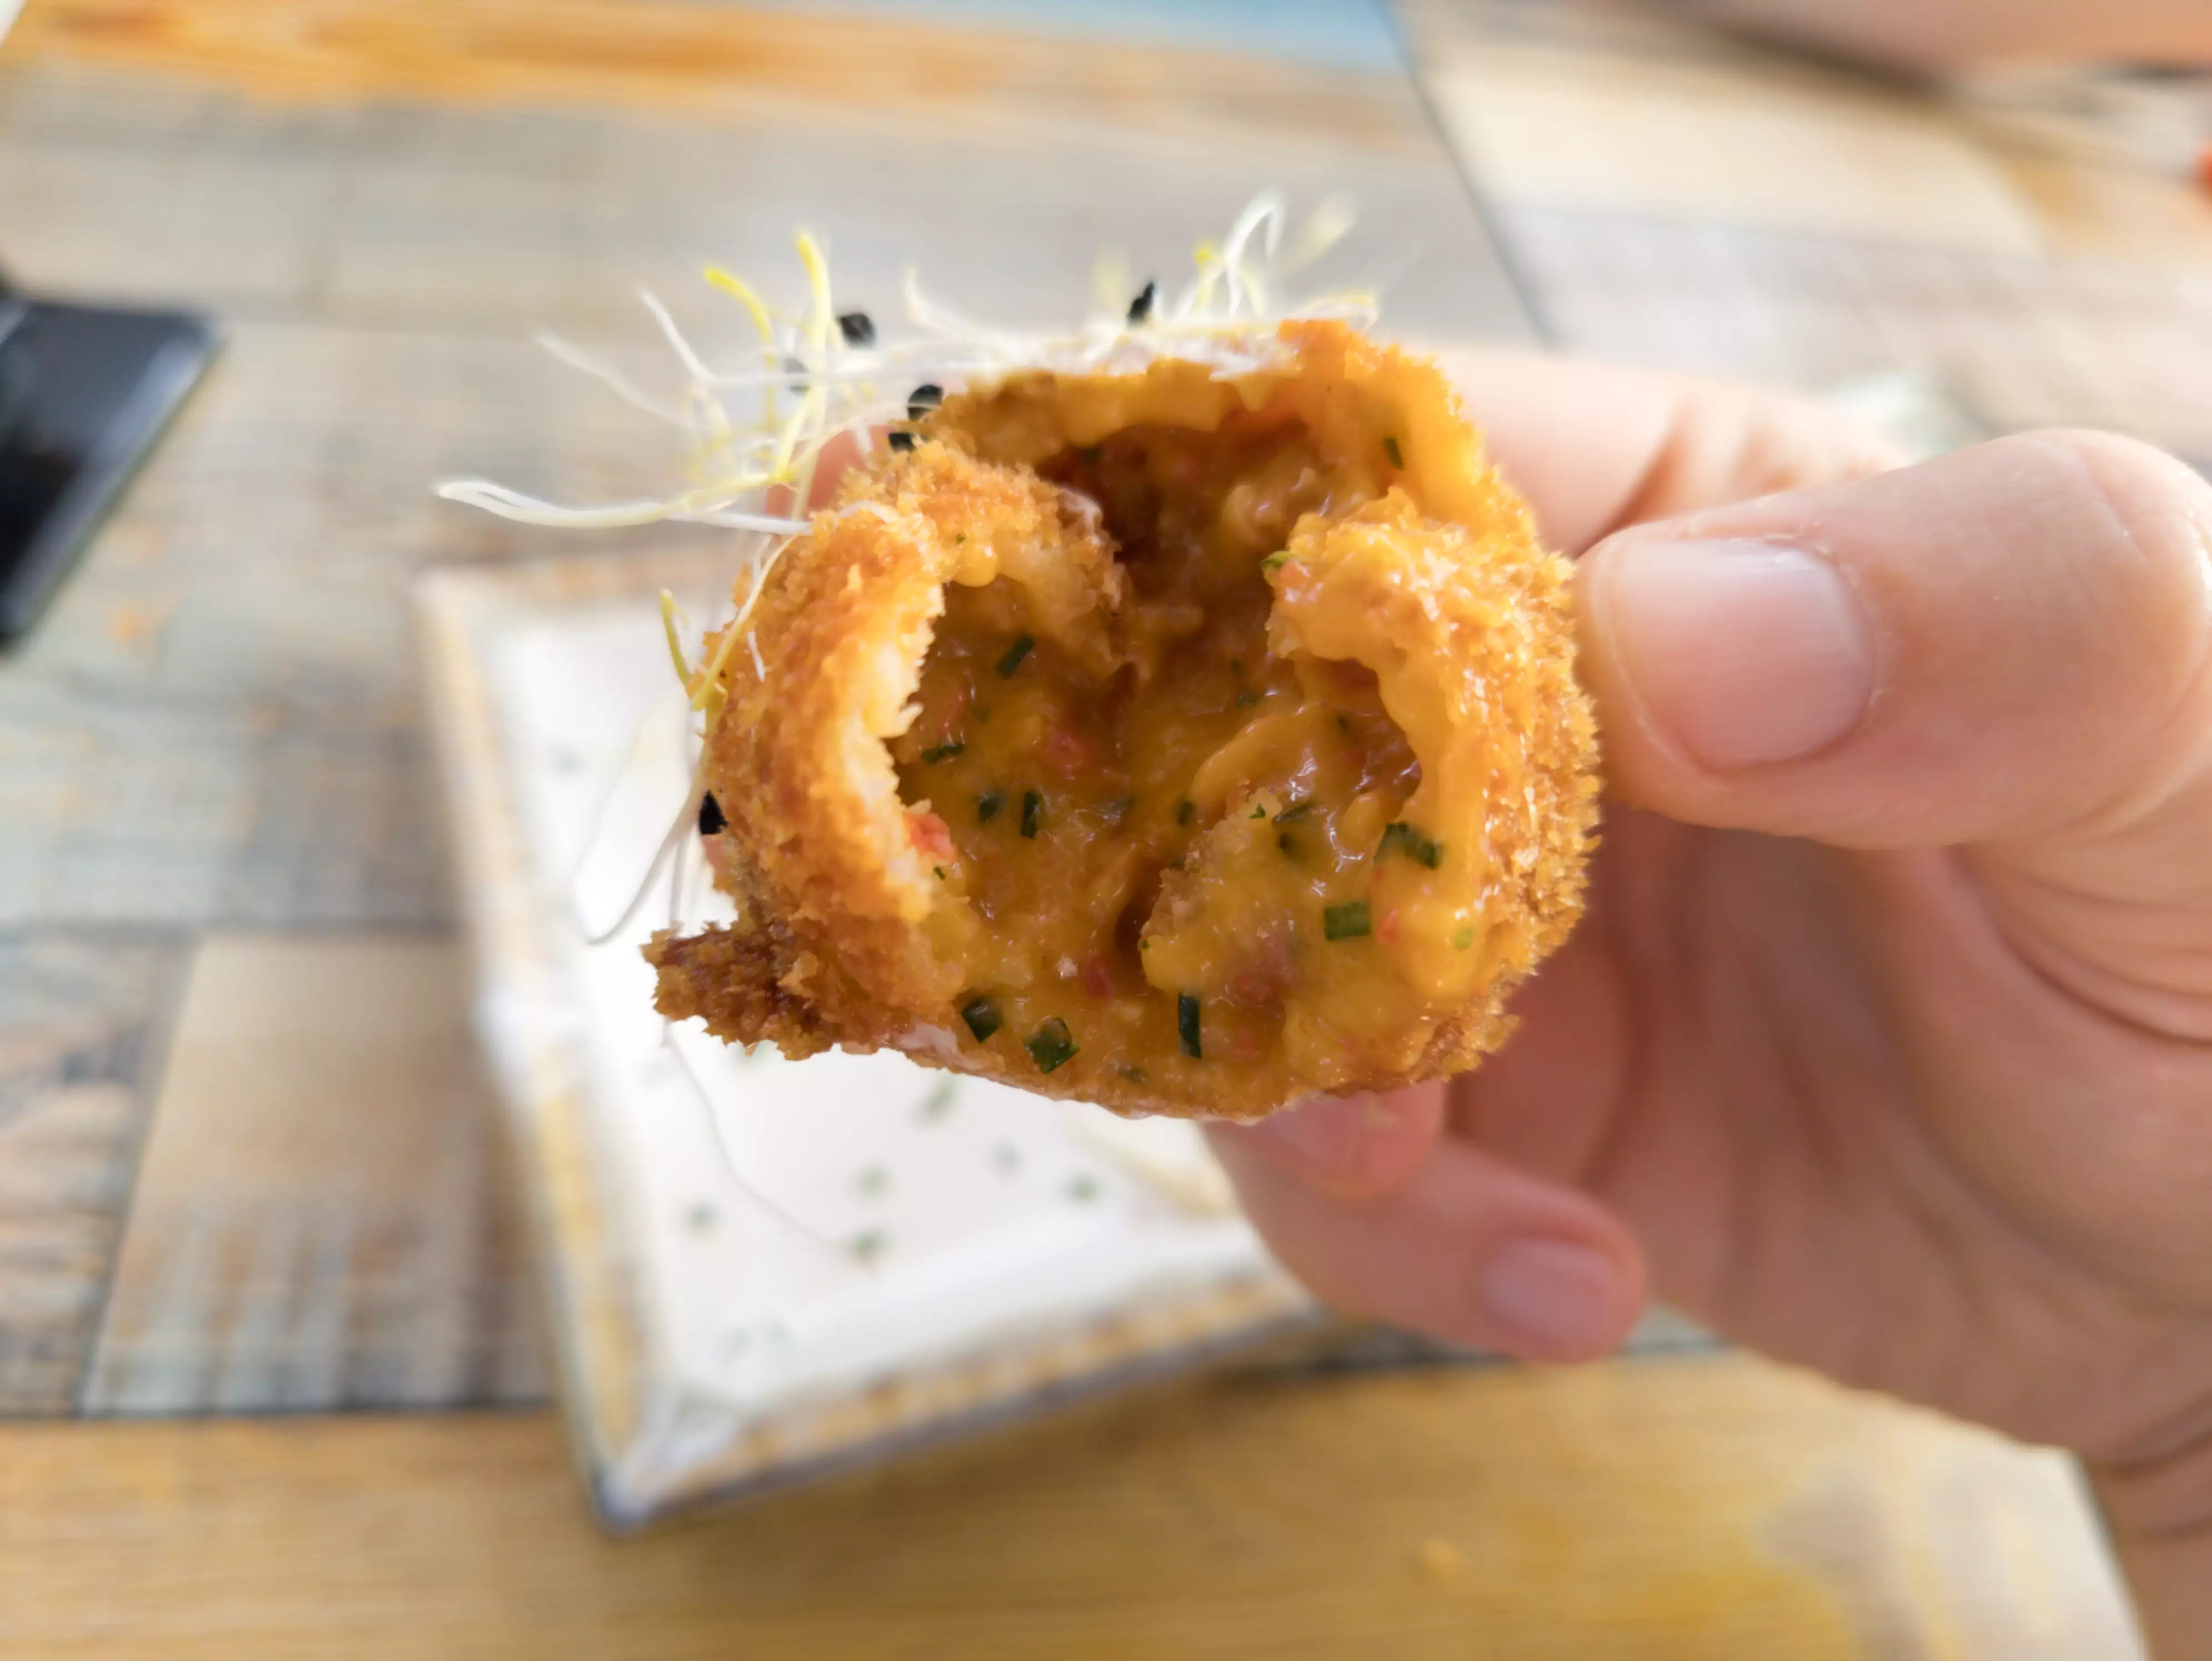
x=1247, y=698
x=1414, y=844
x=1463, y=937
x=1083, y=1188
x=923, y=399
x=940, y=870
x=987, y=805
x=869, y=1244
x=712, y=822
x=1298, y=810
x=939, y=1102
x=1187, y=1026
x=1345, y=921
x=899, y=441
x=1186, y=810
x=858, y=328
x=1390, y=449
x=1050, y=1046
x=872, y=1179
x=982, y=1017
x=1259, y=809
x=944, y=752
x=1141, y=309
x=1275, y=561
x=1032, y=810
x=1021, y=648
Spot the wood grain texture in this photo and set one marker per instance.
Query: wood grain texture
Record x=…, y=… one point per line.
x=82, y=1019
x=715, y=59
x=1661, y=1511
x=321, y=1218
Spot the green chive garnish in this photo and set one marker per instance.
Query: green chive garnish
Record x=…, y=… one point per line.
x=1298, y=810
x=1390, y=449
x=982, y=1017
x=1050, y=1045
x=1032, y=809
x=1274, y=562
x=944, y=752
x=1186, y=810
x=1414, y=844
x=1187, y=1024
x=1463, y=938
x=1083, y=1190
x=1345, y=921
x=987, y=805
x=1012, y=661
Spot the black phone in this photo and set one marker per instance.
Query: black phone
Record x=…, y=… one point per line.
x=85, y=391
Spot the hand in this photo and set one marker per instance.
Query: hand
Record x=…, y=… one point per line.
x=1887, y=1045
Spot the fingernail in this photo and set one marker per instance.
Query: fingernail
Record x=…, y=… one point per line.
x=1321, y=1134
x=1745, y=652
x=1551, y=1298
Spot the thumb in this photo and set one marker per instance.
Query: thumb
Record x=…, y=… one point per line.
x=2011, y=646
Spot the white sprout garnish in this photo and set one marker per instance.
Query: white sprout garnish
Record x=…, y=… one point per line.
x=820, y=373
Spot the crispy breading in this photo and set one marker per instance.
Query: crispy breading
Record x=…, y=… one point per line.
x=1405, y=596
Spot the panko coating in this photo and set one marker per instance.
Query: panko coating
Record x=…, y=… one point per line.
x=1182, y=739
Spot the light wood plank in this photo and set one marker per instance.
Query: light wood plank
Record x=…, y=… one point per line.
x=321, y=1219
x=1661, y=1511
x=714, y=59
x=83, y=1020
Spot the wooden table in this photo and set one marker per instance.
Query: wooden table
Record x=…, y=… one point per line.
x=247, y=1164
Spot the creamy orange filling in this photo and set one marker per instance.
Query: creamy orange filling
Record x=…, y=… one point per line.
x=1199, y=859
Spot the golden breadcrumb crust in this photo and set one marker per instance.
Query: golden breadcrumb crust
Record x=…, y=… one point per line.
x=847, y=935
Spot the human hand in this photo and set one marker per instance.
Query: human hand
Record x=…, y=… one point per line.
x=1887, y=1045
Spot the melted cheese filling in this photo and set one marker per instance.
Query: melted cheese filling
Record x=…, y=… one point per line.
x=1199, y=860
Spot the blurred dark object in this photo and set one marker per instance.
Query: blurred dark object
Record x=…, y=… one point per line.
x=84, y=392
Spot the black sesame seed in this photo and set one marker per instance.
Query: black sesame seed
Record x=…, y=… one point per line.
x=923, y=399
x=1186, y=810
x=1032, y=811
x=1141, y=309
x=1021, y=648
x=858, y=328
x=982, y=1017
x=944, y=752
x=901, y=441
x=711, y=820
x=1397, y=456
x=1187, y=1026
x=987, y=805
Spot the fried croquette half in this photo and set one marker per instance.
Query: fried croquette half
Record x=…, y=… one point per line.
x=1186, y=742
